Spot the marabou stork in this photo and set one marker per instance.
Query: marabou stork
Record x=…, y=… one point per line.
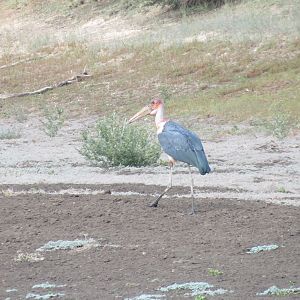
x=179, y=143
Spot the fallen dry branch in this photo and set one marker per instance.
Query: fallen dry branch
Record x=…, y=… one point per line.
x=45, y=89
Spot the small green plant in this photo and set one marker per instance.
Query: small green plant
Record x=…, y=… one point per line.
x=20, y=114
x=9, y=134
x=286, y=292
x=280, y=123
x=235, y=129
x=47, y=296
x=281, y=190
x=17, y=3
x=30, y=257
x=214, y=272
x=54, y=120
x=114, y=142
x=179, y=4
x=200, y=297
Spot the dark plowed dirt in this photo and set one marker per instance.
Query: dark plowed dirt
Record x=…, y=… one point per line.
x=143, y=248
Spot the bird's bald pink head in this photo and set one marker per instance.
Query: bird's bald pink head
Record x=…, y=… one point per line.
x=155, y=103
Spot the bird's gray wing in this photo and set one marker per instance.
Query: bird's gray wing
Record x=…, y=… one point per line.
x=183, y=145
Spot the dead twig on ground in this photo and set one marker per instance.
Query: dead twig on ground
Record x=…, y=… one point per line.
x=45, y=89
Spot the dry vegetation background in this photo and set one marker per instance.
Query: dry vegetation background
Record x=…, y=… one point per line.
x=236, y=63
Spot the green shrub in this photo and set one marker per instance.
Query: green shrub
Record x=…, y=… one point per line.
x=191, y=3
x=9, y=134
x=113, y=142
x=54, y=120
x=214, y=272
x=280, y=123
x=173, y=4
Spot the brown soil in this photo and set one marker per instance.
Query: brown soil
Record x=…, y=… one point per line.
x=143, y=248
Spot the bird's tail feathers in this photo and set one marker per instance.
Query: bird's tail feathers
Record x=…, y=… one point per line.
x=202, y=163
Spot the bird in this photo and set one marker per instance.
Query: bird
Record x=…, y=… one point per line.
x=179, y=143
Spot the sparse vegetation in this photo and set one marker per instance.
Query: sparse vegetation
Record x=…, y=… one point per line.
x=46, y=296
x=54, y=120
x=21, y=114
x=29, y=257
x=125, y=5
x=194, y=288
x=176, y=4
x=9, y=134
x=114, y=142
x=280, y=123
x=214, y=272
x=68, y=245
x=281, y=190
x=275, y=291
x=231, y=70
x=258, y=249
x=16, y=3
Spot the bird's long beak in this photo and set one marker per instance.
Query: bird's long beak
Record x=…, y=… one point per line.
x=143, y=112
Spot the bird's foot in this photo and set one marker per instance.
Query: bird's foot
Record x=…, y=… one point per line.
x=153, y=204
x=192, y=212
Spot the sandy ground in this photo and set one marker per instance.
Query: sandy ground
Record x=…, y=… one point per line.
x=246, y=167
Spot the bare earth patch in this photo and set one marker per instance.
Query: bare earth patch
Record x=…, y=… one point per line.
x=144, y=249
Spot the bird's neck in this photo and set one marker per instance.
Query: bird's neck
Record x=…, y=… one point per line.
x=160, y=115
x=160, y=120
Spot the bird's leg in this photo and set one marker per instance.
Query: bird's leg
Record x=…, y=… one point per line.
x=192, y=190
x=155, y=202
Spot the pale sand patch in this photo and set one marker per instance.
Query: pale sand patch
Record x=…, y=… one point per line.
x=247, y=167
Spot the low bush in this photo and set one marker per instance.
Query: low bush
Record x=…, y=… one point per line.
x=113, y=142
x=190, y=3
x=280, y=123
x=173, y=4
x=54, y=120
x=9, y=134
